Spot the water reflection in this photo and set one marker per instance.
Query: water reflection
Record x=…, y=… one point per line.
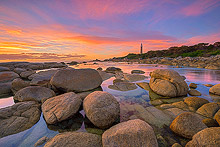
x=5, y=102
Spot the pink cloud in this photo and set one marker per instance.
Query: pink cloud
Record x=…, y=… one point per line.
x=199, y=7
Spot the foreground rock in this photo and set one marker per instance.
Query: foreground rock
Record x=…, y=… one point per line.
x=168, y=83
x=209, y=137
x=133, y=133
x=187, y=124
x=123, y=86
x=59, y=108
x=34, y=93
x=77, y=139
x=4, y=69
x=77, y=80
x=101, y=108
x=19, y=117
x=7, y=76
x=28, y=73
x=208, y=110
x=215, y=89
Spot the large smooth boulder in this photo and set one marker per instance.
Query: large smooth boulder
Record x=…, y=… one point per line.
x=77, y=80
x=7, y=76
x=75, y=139
x=34, y=93
x=187, y=124
x=209, y=137
x=18, y=117
x=215, y=89
x=208, y=110
x=195, y=102
x=101, y=108
x=18, y=84
x=62, y=107
x=168, y=83
x=133, y=133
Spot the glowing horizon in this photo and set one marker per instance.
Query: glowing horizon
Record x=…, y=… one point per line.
x=94, y=29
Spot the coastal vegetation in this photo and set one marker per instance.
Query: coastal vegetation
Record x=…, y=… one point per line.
x=198, y=50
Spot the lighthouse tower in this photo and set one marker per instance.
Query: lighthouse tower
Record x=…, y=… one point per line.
x=141, y=49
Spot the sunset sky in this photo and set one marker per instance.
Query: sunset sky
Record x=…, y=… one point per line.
x=69, y=30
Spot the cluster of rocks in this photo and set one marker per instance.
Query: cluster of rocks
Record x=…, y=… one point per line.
x=62, y=93
x=24, y=71
x=212, y=62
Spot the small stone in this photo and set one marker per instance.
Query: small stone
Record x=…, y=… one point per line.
x=193, y=85
x=41, y=141
x=194, y=92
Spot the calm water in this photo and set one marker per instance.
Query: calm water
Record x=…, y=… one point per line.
x=137, y=96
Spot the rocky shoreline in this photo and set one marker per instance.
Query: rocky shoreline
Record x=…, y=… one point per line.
x=172, y=119
x=212, y=62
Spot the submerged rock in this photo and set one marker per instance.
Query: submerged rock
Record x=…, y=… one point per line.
x=59, y=108
x=187, y=124
x=18, y=117
x=215, y=89
x=41, y=141
x=77, y=80
x=34, y=93
x=123, y=86
x=168, y=83
x=133, y=133
x=77, y=139
x=137, y=72
x=209, y=137
x=101, y=108
x=134, y=77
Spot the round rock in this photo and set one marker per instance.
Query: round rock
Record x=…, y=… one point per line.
x=101, y=108
x=75, y=139
x=187, y=124
x=168, y=83
x=61, y=107
x=195, y=102
x=209, y=137
x=215, y=89
x=34, y=93
x=133, y=133
x=77, y=80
